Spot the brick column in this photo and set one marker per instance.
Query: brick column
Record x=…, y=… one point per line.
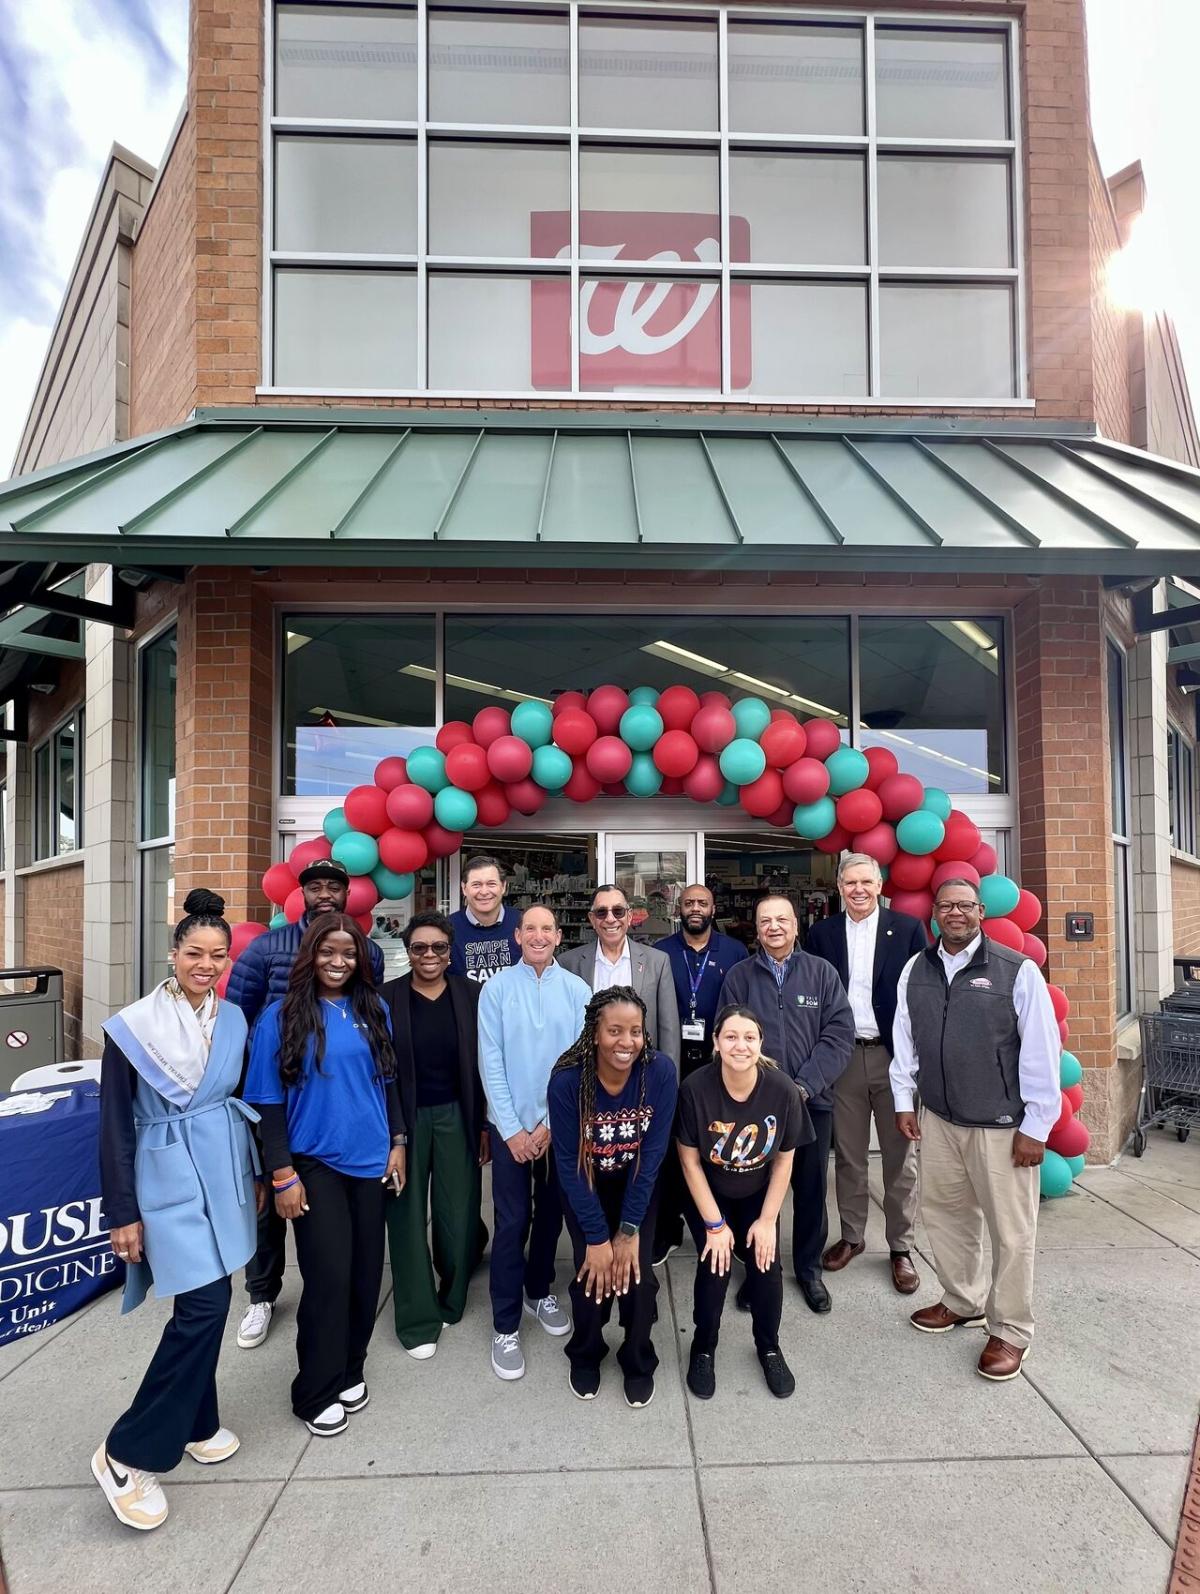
x=223, y=797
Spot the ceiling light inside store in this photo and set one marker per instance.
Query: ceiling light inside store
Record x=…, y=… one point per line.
x=297, y=640
x=668, y=651
x=942, y=758
x=424, y=673
x=721, y=672
x=975, y=633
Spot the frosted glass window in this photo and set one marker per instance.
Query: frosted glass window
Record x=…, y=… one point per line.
x=787, y=77
x=942, y=212
x=499, y=67
x=649, y=334
x=803, y=337
x=346, y=61
x=934, y=84
x=641, y=72
x=483, y=198
x=345, y=329
x=668, y=198
x=346, y=195
x=797, y=209
x=946, y=342
x=499, y=334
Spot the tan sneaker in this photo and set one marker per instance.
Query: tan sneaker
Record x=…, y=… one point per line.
x=135, y=1496
x=219, y=1448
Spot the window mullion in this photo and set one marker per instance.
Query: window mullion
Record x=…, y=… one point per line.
x=422, y=306
x=873, y=358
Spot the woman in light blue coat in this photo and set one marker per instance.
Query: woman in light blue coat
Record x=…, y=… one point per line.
x=178, y=1168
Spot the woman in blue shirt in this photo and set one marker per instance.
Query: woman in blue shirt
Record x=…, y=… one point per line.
x=323, y=1073
x=611, y=1105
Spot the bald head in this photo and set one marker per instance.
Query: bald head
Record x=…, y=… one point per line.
x=696, y=912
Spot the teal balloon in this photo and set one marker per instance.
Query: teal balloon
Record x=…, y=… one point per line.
x=1076, y=1164
x=392, y=887
x=454, y=809
x=751, y=716
x=848, y=770
x=336, y=824
x=641, y=726
x=644, y=694
x=551, y=768
x=920, y=832
x=532, y=722
x=278, y=920
x=644, y=778
x=937, y=802
x=815, y=820
x=1055, y=1175
x=427, y=767
x=1070, y=1070
x=358, y=851
x=729, y=795
x=998, y=894
x=742, y=760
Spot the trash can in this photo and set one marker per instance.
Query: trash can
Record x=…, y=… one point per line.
x=31, y=1021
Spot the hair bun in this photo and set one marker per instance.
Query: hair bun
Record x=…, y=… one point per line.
x=204, y=904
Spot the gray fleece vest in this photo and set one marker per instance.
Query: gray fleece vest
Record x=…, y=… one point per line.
x=965, y=1037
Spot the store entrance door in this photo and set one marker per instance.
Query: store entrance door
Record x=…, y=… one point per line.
x=653, y=868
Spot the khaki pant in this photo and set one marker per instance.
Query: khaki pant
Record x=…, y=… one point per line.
x=864, y=1089
x=968, y=1182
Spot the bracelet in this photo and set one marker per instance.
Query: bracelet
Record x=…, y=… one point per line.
x=715, y=1228
x=286, y=1185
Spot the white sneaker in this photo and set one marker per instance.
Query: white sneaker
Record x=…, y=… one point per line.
x=508, y=1360
x=219, y=1448
x=354, y=1398
x=422, y=1353
x=332, y=1420
x=549, y=1314
x=135, y=1496
x=255, y=1324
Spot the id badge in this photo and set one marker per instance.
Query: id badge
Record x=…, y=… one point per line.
x=694, y=1031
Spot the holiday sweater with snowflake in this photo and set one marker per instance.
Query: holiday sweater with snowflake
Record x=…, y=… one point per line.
x=617, y=1128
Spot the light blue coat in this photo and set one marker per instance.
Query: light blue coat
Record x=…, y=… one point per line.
x=193, y=1171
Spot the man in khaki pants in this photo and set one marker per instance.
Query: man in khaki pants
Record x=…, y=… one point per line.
x=975, y=1033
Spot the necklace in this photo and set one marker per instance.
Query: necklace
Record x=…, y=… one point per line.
x=342, y=1008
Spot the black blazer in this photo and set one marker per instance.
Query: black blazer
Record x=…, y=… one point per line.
x=464, y=999
x=898, y=938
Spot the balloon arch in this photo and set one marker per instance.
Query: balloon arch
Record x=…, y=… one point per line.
x=787, y=773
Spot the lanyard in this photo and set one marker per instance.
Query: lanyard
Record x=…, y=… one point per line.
x=694, y=980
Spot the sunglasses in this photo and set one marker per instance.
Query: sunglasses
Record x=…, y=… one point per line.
x=437, y=949
x=608, y=913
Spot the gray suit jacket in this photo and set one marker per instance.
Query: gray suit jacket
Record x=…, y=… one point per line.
x=651, y=980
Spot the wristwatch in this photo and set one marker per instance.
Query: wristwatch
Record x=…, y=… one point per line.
x=399, y=1140
x=629, y=1230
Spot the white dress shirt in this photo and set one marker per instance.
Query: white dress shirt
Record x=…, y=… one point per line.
x=609, y=973
x=860, y=973
x=1037, y=1027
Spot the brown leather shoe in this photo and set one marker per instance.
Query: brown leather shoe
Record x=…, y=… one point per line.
x=937, y=1320
x=1000, y=1361
x=839, y=1255
x=905, y=1277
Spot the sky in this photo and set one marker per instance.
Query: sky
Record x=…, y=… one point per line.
x=75, y=75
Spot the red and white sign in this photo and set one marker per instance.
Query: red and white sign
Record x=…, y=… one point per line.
x=637, y=333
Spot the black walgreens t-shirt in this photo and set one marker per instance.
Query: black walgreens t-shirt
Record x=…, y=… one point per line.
x=738, y=1140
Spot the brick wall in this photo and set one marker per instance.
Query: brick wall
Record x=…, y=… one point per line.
x=1185, y=907
x=1112, y=327
x=163, y=305
x=54, y=938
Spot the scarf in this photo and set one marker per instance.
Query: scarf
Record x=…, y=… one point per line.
x=167, y=1040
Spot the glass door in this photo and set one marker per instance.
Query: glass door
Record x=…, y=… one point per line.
x=652, y=868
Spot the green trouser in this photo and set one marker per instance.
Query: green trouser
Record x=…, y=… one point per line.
x=441, y=1166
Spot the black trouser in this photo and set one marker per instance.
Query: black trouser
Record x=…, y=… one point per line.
x=176, y=1402
x=528, y=1211
x=339, y=1246
x=810, y=1170
x=764, y=1290
x=672, y=1191
x=635, y=1311
x=264, y=1270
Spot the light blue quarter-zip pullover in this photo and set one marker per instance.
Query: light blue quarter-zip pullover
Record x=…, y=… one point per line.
x=526, y=1022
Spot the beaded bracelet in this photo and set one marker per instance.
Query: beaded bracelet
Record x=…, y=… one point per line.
x=286, y=1185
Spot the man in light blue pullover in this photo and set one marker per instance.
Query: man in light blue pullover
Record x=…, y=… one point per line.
x=528, y=1015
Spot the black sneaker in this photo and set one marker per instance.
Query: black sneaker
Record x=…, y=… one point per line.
x=742, y=1299
x=777, y=1373
x=639, y=1391
x=585, y=1381
x=702, y=1374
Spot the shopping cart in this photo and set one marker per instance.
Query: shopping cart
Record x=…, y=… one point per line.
x=1170, y=1074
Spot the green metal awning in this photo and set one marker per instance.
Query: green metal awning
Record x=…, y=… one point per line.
x=355, y=488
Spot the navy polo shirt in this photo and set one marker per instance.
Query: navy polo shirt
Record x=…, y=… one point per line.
x=723, y=952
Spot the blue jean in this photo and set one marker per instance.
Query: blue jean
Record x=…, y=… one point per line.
x=528, y=1209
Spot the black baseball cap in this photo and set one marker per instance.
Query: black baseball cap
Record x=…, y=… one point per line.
x=325, y=869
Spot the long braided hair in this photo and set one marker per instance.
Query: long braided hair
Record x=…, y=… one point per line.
x=302, y=1019
x=582, y=1055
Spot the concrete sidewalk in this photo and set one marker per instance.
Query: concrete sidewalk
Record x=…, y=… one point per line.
x=892, y=1468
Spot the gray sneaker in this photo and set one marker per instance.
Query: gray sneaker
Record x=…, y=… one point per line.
x=508, y=1362
x=549, y=1314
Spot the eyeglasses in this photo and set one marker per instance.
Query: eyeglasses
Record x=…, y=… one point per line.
x=608, y=913
x=965, y=908
x=437, y=949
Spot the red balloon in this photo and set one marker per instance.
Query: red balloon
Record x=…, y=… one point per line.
x=780, y=714
x=366, y=809
x=526, y=796
x=606, y=704
x=918, y=903
x=1066, y=1112
x=907, y=873
x=410, y=807
x=453, y=734
x=678, y=706
x=362, y=896
x=1006, y=932
x=1064, y=1033
x=242, y=936
x=821, y=738
x=953, y=871
x=837, y=839
x=365, y=922
x=490, y=724
x=294, y=906
x=722, y=698
x=704, y=782
x=308, y=852
x=582, y=785
x=493, y=805
x=440, y=841
x=391, y=772
x=879, y=843
x=403, y=851
x=883, y=764
x=806, y=781
x=223, y=982
x=574, y=731
x=1058, y=999
x=566, y=700
x=985, y=859
x=783, y=741
x=278, y=883
x=1027, y=911
x=859, y=810
x=1034, y=947
x=672, y=786
x=900, y=795
x=609, y=759
x=784, y=815
x=763, y=796
x=713, y=728
x=509, y=759
x=675, y=753
x=961, y=839
x=1070, y=1139
x=1074, y=1094
x=467, y=765
x=614, y=788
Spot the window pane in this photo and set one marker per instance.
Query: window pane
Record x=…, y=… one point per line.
x=932, y=84
x=355, y=690
x=792, y=78
x=351, y=61
x=807, y=210
x=349, y=195
x=158, y=915
x=498, y=200
x=635, y=72
x=805, y=338
x=351, y=329
x=158, y=738
x=656, y=334
x=1116, y=740
x=1121, y=958
x=42, y=799
x=932, y=692
x=496, y=334
x=66, y=826
x=499, y=68
x=944, y=213
x=660, y=201
x=943, y=342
